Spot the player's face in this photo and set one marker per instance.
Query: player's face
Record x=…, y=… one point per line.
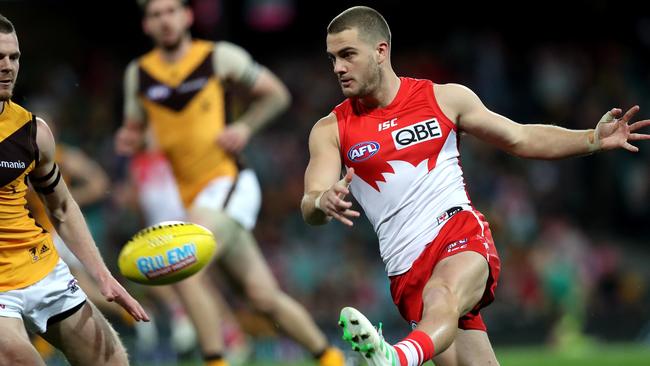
x=354, y=62
x=9, y=56
x=167, y=22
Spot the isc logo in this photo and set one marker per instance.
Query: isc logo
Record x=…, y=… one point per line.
x=363, y=151
x=416, y=133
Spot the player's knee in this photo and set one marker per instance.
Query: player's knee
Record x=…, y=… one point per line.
x=121, y=357
x=264, y=298
x=114, y=352
x=440, y=298
x=108, y=347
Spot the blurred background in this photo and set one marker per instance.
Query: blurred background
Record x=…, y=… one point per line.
x=572, y=235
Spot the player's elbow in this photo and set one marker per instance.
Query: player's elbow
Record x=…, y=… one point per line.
x=517, y=143
x=283, y=98
x=60, y=213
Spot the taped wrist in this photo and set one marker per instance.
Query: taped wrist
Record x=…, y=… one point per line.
x=317, y=201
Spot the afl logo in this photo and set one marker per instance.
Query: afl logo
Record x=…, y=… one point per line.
x=363, y=151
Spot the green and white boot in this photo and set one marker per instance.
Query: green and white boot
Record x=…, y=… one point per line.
x=366, y=339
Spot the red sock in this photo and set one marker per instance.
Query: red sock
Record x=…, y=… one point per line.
x=415, y=349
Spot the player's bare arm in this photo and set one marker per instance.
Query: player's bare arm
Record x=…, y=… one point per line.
x=270, y=96
x=325, y=192
x=68, y=220
x=537, y=141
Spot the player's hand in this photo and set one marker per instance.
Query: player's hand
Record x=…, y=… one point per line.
x=613, y=132
x=129, y=139
x=234, y=138
x=113, y=291
x=332, y=202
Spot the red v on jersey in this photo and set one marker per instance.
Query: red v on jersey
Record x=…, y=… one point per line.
x=411, y=129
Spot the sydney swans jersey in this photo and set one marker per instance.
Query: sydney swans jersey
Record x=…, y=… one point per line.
x=407, y=170
x=184, y=102
x=27, y=254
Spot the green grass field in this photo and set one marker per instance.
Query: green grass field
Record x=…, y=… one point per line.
x=603, y=355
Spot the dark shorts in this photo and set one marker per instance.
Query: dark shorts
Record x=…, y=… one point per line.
x=465, y=231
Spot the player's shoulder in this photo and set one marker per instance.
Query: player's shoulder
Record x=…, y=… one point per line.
x=454, y=95
x=327, y=122
x=44, y=138
x=43, y=129
x=326, y=125
x=228, y=48
x=325, y=129
x=226, y=44
x=452, y=89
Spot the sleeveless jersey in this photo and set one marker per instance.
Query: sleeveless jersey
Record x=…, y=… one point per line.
x=408, y=178
x=27, y=254
x=184, y=103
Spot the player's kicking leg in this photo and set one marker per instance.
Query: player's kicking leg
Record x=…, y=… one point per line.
x=449, y=294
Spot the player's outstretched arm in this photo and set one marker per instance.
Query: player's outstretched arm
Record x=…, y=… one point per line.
x=325, y=192
x=70, y=224
x=270, y=95
x=537, y=141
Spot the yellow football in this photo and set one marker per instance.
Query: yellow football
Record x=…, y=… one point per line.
x=166, y=253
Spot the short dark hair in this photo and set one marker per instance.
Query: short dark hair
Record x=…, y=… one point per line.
x=5, y=25
x=370, y=24
x=144, y=3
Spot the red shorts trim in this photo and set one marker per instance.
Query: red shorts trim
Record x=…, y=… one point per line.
x=465, y=231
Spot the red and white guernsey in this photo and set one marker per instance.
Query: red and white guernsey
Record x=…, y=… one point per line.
x=408, y=177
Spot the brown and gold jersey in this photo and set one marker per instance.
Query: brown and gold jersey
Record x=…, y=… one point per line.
x=27, y=253
x=184, y=104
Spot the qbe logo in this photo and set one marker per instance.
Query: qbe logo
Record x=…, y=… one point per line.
x=363, y=151
x=416, y=133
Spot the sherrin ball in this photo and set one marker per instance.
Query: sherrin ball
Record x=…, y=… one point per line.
x=167, y=252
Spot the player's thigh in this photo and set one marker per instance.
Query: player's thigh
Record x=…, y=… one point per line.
x=86, y=338
x=464, y=274
x=15, y=348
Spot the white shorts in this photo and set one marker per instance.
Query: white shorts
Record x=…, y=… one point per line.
x=160, y=201
x=45, y=301
x=241, y=202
